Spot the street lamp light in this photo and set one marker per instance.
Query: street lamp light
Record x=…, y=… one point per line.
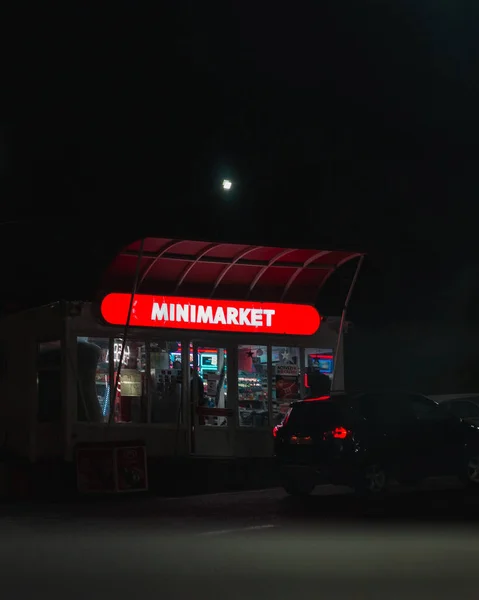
x=227, y=184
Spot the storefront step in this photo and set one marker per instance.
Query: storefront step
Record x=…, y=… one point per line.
x=167, y=477
x=203, y=475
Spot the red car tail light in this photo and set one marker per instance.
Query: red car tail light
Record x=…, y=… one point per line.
x=318, y=399
x=338, y=433
x=300, y=439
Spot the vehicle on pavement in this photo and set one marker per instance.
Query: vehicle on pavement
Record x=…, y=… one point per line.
x=368, y=440
x=464, y=409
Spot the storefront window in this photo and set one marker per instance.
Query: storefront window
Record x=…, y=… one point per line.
x=319, y=360
x=165, y=382
x=131, y=402
x=93, y=380
x=98, y=375
x=286, y=379
x=209, y=385
x=49, y=382
x=253, y=386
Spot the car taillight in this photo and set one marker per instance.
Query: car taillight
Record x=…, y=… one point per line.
x=300, y=439
x=338, y=433
x=275, y=430
x=316, y=399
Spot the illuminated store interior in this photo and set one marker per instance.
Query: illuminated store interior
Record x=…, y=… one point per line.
x=267, y=380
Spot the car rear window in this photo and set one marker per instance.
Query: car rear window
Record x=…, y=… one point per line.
x=463, y=409
x=385, y=408
x=315, y=414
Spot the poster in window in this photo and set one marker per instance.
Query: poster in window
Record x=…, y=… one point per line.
x=131, y=469
x=130, y=383
x=287, y=387
x=95, y=470
x=212, y=382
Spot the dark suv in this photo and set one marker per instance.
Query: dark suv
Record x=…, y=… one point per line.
x=463, y=408
x=366, y=440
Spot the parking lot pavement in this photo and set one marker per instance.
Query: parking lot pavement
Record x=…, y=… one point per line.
x=438, y=500
x=411, y=545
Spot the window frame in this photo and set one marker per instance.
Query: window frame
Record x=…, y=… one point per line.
x=146, y=338
x=269, y=395
x=274, y=419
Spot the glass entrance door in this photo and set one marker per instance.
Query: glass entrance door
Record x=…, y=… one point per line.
x=212, y=411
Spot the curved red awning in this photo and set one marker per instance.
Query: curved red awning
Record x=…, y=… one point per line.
x=224, y=270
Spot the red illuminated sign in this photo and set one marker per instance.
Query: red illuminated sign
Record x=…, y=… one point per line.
x=170, y=312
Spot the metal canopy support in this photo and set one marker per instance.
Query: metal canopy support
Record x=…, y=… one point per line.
x=235, y=261
x=343, y=318
x=217, y=260
x=280, y=266
x=125, y=333
x=156, y=258
x=196, y=260
x=335, y=269
x=300, y=270
x=266, y=267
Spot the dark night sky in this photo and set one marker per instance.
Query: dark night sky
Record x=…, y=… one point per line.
x=344, y=124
